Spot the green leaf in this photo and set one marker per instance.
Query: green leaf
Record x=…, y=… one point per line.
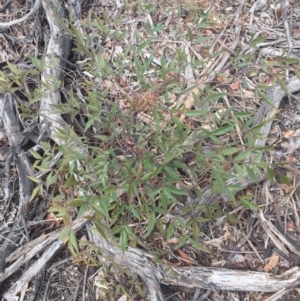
x=251, y=174
x=263, y=165
x=64, y=236
x=282, y=84
x=34, y=179
x=51, y=179
x=116, y=213
x=170, y=231
x=230, y=151
x=144, y=44
x=243, y=155
x=73, y=240
x=101, y=207
x=36, y=155
x=266, y=98
x=129, y=231
x=217, y=95
x=123, y=240
x=82, y=210
x=238, y=169
x=223, y=130
x=39, y=64
x=285, y=180
x=250, y=140
x=89, y=124
x=230, y=194
x=72, y=166
x=77, y=155
x=169, y=195
x=150, y=7
x=116, y=230
x=198, y=246
x=60, y=211
x=71, y=248
x=13, y=68
x=77, y=203
x=257, y=171
x=201, y=40
x=179, y=164
x=297, y=74
x=147, y=176
x=254, y=41
x=196, y=231
x=200, y=219
x=219, y=183
x=271, y=175
x=195, y=113
x=102, y=137
x=159, y=210
x=99, y=228
x=102, y=62
x=181, y=242
x=181, y=222
x=134, y=212
x=175, y=175
x=176, y=191
x=164, y=199
x=243, y=114
x=43, y=168
x=34, y=193
x=157, y=28
x=150, y=223
x=249, y=205
x=235, y=187
x=289, y=60
x=232, y=218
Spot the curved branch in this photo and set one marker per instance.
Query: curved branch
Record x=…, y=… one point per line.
x=192, y=277
x=135, y=260
x=25, y=253
x=34, y=9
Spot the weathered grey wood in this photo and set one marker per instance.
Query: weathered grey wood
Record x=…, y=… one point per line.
x=134, y=260
x=17, y=155
x=57, y=51
x=154, y=274
x=26, y=253
x=212, y=278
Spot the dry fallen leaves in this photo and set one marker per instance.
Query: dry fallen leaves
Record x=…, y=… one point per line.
x=288, y=134
x=272, y=263
x=235, y=85
x=186, y=258
x=171, y=264
x=287, y=188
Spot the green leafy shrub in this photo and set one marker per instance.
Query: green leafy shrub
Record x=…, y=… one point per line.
x=135, y=170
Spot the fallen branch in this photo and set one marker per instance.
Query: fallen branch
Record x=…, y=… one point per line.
x=192, y=277
x=57, y=50
x=143, y=264
x=35, y=247
x=16, y=154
